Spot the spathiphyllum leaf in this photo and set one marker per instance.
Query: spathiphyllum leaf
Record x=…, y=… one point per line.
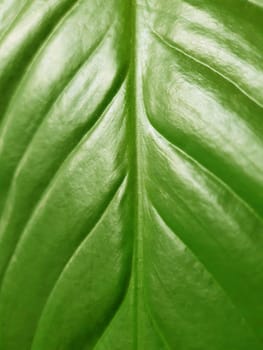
x=131, y=174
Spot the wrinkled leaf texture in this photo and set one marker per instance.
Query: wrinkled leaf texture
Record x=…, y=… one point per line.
x=131, y=174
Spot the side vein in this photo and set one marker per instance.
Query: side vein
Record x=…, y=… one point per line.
x=173, y=46
x=51, y=182
x=205, y=169
x=94, y=49
x=75, y=253
x=199, y=259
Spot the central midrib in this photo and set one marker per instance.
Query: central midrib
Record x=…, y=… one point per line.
x=134, y=137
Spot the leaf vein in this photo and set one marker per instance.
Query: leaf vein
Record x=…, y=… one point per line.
x=204, y=168
x=76, y=250
x=49, y=111
x=17, y=16
x=206, y=267
x=39, y=51
x=175, y=47
x=51, y=182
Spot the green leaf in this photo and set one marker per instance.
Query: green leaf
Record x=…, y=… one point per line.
x=131, y=174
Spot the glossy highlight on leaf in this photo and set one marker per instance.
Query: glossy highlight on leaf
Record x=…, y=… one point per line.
x=131, y=174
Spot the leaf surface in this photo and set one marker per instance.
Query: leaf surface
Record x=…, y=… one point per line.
x=131, y=174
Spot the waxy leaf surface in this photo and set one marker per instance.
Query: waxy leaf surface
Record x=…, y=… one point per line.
x=131, y=174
